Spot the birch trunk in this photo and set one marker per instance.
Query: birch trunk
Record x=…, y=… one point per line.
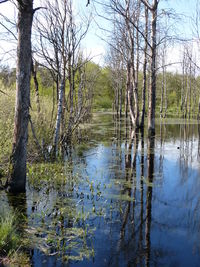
x=130, y=94
x=183, y=85
x=80, y=96
x=58, y=118
x=120, y=96
x=190, y=90
x=152, y=91
x=144, y=70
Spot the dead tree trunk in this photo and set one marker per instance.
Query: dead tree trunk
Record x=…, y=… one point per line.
x=144, y=70
x=17, y=177
x=58, y=118
x=130, y=93
x=152, y=91
x=80, y=94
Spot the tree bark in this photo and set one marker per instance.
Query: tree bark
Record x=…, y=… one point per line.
x=17, y=176
x=152, y=91
x=144, y=70
x=58, y=118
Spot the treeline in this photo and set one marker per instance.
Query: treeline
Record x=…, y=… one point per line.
x=177, y=94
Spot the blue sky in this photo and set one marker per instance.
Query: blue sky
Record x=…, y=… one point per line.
x=185, y=9
x=94, y=46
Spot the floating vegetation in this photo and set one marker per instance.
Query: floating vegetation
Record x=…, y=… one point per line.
x=58, y=226
x=49, y=175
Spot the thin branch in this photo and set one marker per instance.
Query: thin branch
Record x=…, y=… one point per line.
x=37, y=8
x=146, y=3
x=3, y=1
x=8, y=30
x=4, y=93
x=35, y=137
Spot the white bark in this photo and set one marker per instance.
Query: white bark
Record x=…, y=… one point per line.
x=58, y=119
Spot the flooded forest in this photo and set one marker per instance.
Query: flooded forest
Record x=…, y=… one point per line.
x=99, y=154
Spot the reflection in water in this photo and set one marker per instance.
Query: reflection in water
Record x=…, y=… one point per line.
x=150, y=174
x=198, y=157
x=119, y=201
x=137, y=234
x=18, y=203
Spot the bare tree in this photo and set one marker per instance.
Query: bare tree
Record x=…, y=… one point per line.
x=145, y=68
x=60, y=38
x=17, y=179
x=153, y=48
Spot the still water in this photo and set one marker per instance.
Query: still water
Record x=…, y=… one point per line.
x=118, y=200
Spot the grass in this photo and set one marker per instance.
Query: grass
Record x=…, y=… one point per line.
x=11, y=242
x=9, y=239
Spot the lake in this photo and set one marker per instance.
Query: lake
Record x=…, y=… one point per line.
x=117, y=200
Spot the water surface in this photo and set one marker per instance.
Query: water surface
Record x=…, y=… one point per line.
x=117, y=201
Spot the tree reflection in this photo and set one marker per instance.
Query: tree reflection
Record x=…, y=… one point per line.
x=19, y=205
x=137, y=214
x=130, y=176
x=150, y=175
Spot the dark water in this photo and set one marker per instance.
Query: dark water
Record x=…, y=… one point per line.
x=117, y=201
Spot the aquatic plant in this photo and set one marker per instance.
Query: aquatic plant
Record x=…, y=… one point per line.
x=11, y=242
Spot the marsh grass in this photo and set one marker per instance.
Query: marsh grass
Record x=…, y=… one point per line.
x=43, y=125
x=11, y=242
x=7, y=102
x=9, y=239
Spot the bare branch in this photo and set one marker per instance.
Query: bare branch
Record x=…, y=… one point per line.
x=38, y=8
x=88, y=3
x=3, y=1
x=146, y=3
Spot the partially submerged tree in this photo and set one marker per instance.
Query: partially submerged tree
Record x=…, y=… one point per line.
x=17, y=176
x=17, y=173
x=59, y=51
x=138, y=36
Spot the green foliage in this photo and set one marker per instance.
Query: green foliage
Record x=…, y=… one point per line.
x=47, y=175
x=43, y=124
x=7, y=102
x=60, y=226
x=103, y=90
x=9, y=239
x=7, y=76
x=11, y=242
x=45, y=83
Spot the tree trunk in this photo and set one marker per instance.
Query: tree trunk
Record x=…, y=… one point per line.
x=130, y=94
x=152, y=92
x=183, y=87
x=71, y=101
x=17, y=177
x=80, y=94
x=34, y=73
x=165, y=93
x=162, y=87
x=190, y=89
x=198, y=113
x=120, y=94
x=144, y=70
x=58, y=119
